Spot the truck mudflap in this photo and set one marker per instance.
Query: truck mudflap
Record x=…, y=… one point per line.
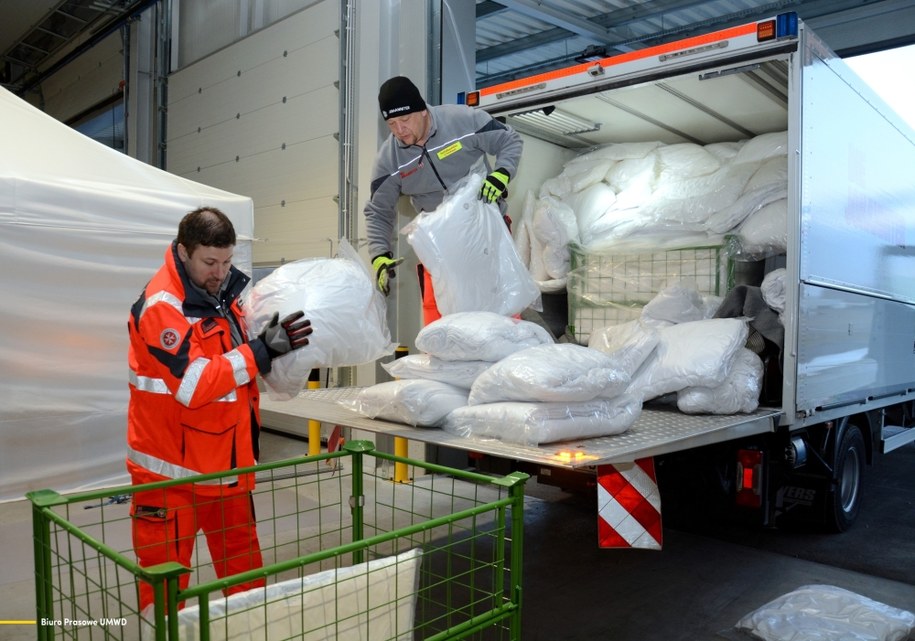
x=659, y=430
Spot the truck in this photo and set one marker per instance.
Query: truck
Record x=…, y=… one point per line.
x=838, y=394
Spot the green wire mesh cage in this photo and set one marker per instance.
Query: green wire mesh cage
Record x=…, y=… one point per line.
x=348, y=553
x=610, y=288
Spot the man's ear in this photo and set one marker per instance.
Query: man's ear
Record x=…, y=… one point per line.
x=182, y=253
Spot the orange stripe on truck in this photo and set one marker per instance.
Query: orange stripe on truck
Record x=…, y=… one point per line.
x=657, y=50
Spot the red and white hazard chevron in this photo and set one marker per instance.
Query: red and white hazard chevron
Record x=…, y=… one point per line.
x=629, y=506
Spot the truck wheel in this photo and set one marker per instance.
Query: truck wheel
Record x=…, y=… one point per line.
x=845, y=500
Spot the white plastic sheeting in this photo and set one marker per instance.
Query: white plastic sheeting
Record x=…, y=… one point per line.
x=82, y=228
x=373, y=600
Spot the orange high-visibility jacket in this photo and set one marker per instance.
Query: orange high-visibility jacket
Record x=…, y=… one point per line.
x=193, y=396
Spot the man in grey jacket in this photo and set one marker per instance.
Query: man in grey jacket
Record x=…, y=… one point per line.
x=429, y=150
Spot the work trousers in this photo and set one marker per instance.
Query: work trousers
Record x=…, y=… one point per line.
x=165, y=525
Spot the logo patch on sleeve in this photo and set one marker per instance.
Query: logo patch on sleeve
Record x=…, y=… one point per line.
x=169, y=338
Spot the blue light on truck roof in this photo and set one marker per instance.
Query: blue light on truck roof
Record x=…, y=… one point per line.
x=786, y=24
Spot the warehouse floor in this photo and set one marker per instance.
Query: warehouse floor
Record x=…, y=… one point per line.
x=695, y=589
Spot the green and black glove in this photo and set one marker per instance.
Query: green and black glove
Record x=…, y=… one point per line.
x=495, y=185
x=384, y=265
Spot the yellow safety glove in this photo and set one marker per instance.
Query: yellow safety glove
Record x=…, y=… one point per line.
x=384, y=271
x=495, y=185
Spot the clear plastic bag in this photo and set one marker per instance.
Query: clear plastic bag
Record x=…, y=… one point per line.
x=347, y=315
x=467, y=248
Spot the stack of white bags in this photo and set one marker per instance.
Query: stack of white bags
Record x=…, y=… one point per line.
x=678, y=349
x=651, y=195
x=484, y=375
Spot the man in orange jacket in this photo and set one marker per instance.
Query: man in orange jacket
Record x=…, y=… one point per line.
x=194, y=402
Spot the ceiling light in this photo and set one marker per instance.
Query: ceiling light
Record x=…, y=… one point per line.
x=557, y=121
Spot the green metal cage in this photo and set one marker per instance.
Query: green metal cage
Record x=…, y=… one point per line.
x=610, y=288
x=349, y=553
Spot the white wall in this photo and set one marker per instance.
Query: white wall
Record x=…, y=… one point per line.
x=90, y=79
x=259, y=118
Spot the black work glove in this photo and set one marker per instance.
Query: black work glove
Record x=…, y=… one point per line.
x=281, y=337
x=384, y=265
x=495, y=185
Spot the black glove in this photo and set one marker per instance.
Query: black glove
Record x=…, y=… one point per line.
x=384, y=265
x=281, y=337
x=495, y=185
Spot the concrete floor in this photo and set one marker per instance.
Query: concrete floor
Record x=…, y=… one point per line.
x=702, y=582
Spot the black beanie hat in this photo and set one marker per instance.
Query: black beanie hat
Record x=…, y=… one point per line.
x=398, y=97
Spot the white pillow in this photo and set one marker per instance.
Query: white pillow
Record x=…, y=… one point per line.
x=590, y=204
x=773, y=289
x=346, y=310
x=766, y=229
x=554, y=225
x=677, y=303
x=698, y=353
x=763, y=147
x=479, y=336
x=685, y=160
x=459, y=373
x=629, y=344
x=738, y=393
x=410, y=401
x=537, y=423
x=553, y=373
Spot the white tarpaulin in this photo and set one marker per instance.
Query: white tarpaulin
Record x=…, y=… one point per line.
x=82, y=229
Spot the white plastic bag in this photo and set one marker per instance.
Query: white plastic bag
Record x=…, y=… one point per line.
x=680, y=302
x=412, y=401
x=479, y=336
x=630, y=344
x=538, y=423
x=738, y=393
x=562, y=372
x=459, y=373
x=694, y=354
x=347, y=315
x=466, y=247
x=827, y=613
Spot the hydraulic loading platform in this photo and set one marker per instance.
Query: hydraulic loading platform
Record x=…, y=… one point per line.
x=657, y=431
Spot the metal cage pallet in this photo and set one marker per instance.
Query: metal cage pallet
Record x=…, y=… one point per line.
x=348, y=554
x=606, y=288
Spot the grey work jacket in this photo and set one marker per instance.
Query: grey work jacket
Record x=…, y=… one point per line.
x=460, y=136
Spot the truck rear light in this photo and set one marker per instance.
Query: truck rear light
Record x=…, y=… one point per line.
x=749, y=478
x=473, y=99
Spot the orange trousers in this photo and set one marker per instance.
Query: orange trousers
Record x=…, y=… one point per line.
x=430, y=309
x=165, y=525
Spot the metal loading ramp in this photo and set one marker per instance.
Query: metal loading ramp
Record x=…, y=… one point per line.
x=657, y=431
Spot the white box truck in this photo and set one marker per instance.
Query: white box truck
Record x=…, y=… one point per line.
x=838, y=391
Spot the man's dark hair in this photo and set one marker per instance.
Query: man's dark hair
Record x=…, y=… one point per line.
x=205, y=226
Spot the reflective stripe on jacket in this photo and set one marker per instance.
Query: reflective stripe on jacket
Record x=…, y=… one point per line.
x=193, y=396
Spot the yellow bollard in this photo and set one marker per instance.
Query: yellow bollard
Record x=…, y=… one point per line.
x=314, y=427
x=400, y=443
